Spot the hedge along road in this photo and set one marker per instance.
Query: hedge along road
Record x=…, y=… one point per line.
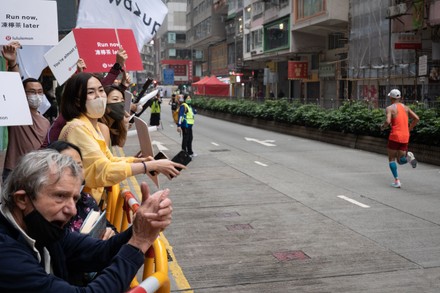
x=297, y=215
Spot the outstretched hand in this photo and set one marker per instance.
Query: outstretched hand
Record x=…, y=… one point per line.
x=121, y=57
x=80, y=65
x=126, y=79
x=9, y=51
x=166, y=167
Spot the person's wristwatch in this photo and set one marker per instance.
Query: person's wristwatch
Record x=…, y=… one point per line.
x=117, y=66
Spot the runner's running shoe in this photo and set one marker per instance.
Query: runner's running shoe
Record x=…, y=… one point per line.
x=396, y=184
x=412, y=159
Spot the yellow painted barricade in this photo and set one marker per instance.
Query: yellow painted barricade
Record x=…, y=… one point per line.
x=155, y=272
x=158, y=281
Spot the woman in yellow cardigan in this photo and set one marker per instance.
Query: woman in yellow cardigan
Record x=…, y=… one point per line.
x=83, y=102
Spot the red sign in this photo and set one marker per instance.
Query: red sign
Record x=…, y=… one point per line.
x=298, y=70
x=408, y=41
x=179, y=70
x=182, y=68
x=98, y=48
x=415, y=46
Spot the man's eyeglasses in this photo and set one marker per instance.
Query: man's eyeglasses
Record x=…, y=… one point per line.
x=34, y=92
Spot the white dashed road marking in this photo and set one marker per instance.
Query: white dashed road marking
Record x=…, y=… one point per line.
x=353, y=201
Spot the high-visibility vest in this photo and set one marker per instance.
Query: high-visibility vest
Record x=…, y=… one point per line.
x=189, y=116
x=155, y=107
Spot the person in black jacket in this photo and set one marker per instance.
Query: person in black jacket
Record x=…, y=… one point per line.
x=38, y=253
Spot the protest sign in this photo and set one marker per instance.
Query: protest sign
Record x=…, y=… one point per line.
x=62, y=58
x=29, y=22
x=14, y=107
x=98, y=48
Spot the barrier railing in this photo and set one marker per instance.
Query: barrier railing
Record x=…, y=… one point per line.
x=120, y=205
x=157, y=281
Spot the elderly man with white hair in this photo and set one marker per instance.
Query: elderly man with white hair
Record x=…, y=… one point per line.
x=38, y=253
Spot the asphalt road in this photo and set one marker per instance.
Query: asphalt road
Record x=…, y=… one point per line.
x=258, y=211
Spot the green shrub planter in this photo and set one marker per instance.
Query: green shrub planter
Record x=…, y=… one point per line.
x=356, y=117
x=424, y=153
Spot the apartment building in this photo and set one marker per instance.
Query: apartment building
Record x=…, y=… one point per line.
x=319, y=37
x=173, y=60
x=266, y=46
x=320, y=51
x=206, y=36
x=395, y=44
x=148, y=57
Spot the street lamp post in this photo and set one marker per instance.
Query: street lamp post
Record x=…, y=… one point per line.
x=389, y=55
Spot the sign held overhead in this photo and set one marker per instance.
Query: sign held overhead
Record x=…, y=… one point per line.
x=29, y=22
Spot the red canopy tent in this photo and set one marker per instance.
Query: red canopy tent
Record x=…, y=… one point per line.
x=198, y=85
x=211, y=86
x=202, y=81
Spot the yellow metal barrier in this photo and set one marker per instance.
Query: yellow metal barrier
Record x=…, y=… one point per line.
x=156, y=260
x=158, y=281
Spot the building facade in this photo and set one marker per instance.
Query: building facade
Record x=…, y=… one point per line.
x=173, y=60
x=318, y=51
x=395, y=44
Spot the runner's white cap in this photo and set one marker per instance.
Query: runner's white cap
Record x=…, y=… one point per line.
x=395, y=94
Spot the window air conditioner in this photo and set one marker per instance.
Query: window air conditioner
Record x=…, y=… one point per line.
x=392, y=11
x=402, y=8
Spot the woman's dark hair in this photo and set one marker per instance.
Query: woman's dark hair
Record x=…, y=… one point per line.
x=118, y=129
x=109, y=88
x=61, y=145
x=73, y=99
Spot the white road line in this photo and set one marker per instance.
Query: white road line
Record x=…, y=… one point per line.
x=259, y=163
x=353, y=201
x=159, y=145
x=216, y=144
x=267, y=142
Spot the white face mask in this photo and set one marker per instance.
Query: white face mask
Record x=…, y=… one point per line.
x=35, y=101
x=96, y=108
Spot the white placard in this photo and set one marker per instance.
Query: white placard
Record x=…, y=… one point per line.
x=14, y=107
x=62, y=58
x=29, y=22
x=45, y=105
x=128, y=98
x=423, y=65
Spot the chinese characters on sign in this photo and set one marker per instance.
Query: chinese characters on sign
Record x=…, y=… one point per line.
x=408, y=41
x=29, y=22
x=179, y=70
x=327, y=69
x=98, y=48
x=298, y=70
